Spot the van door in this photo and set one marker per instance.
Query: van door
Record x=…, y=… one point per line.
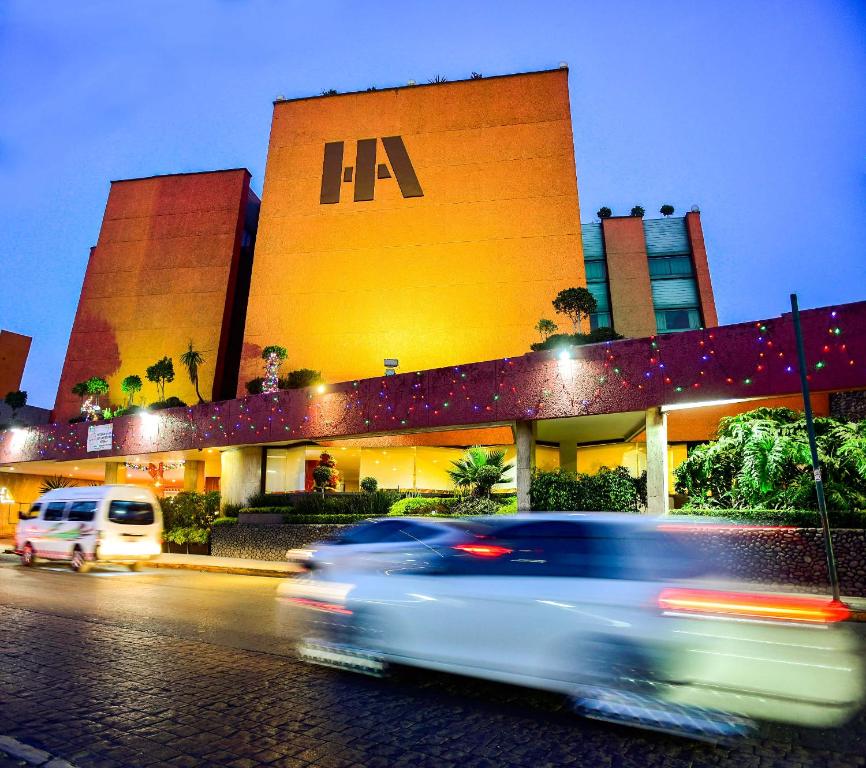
x=81, y=527
x=132, y=530
x=49, y=541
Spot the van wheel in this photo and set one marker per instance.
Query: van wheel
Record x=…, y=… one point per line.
x=78, y=563
x=28, y=555
x=135, y=567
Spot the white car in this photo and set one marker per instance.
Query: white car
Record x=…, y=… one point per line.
x=607, y=609
x=375, y=542
x=104, y=523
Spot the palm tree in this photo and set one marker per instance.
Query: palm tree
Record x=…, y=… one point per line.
x=479, y=470
x=191, y=360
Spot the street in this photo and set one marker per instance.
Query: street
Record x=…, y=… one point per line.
x=162, y=667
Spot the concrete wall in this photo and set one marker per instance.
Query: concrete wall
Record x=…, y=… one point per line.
x=462, y=272
x=628, y=274
x=162, y=274
x=702, y=269
x=14, y=348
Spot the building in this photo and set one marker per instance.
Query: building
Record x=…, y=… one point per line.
x=430, y=223
x=14, y=349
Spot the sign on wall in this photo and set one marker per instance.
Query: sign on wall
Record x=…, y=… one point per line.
x=99, y=437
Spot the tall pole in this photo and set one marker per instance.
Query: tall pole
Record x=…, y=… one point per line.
x=813, y=449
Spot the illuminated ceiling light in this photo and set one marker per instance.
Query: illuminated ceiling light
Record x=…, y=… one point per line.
x=702, y=404
x=564, y=354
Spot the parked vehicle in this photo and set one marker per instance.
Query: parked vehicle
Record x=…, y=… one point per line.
x=104, y=523
x=376, y=541
x=615, y=611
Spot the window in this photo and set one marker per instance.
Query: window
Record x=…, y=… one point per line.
x=82, y=511
x=678, y=320
x=54, y=511
x=595, y=270
x=599, y=320
x=674, y=266
x=131, y=513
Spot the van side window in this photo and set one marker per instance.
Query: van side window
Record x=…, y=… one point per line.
x=82, y=511
x=34, y=512
x=54, y=511
x=131, y=513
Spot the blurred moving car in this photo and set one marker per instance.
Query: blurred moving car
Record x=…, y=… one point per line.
x=375, y=541
x=612, y=610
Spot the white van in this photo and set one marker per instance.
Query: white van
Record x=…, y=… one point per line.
x=101, y=523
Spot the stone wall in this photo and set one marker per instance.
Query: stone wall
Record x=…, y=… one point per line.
x=265, y=542
x=793, y=558
x=848, y=406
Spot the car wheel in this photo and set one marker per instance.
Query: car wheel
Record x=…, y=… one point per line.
x=28, y=555
x=135, y=567
x=79, y=563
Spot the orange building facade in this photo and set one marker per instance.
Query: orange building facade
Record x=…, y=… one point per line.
x=171, y=267
x=431, y=223
x=14, y=349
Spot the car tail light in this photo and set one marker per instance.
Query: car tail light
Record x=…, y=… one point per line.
x=320, y=605
x=810, y=610
x=483, y=550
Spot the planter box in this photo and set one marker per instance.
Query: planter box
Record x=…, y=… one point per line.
x=259, y=518
x=186, y=549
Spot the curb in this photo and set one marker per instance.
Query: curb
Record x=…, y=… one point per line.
x=238, y=571
x=18, y=750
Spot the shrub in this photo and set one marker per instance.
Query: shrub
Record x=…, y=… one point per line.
x=290, y=517
x=638, y=211
x=666, y=210
x=416, y=505
x=802, y=518
x=169, y=402
x=303, y=377
x=609, y=490
x=604, y=212
x=369, y=484
x=224, y=521
x=190, y=509
x=475, y=506
x=254, y=386
x=508, y=507
x=187, y=534
x=231, y=510
x=558, y=340
x=374, y=504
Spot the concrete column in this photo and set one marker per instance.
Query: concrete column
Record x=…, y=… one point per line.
x=524, y=438
x=241, y=474
x=568, y=456
x=193, y=476
x=115, y=473
x=657, y=461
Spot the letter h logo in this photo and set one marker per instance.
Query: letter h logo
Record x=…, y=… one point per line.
x=366, y=170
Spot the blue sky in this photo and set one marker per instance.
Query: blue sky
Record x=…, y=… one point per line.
x=756, y=111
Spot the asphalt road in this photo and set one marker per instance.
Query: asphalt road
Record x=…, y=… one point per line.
x=179, y=668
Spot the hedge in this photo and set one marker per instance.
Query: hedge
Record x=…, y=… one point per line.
x=608, y=490
x=801, y=518
x=414, y=505
x=290, y=517
x=454, y=506
x=369, y=504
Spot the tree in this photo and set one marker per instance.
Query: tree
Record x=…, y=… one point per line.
x=273, y=355
x=604, y=212
x=638, y=211
x=369, y=484
x=15, y=400
x=80, y=389
x=191, y=360
x=161, y=373
x=666, y=210
x=546, y=328
x=130, y=386
x=575, y=304
x=325, y=473
x=479, y=470
x=303, y=377
x=96, y=386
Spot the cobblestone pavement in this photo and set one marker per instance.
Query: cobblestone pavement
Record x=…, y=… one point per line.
x=104, y=695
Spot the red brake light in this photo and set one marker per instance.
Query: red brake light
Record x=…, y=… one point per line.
x=320, y=605
x=812, y=610
x=483, y=550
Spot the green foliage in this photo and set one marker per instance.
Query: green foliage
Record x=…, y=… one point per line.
x=546, y=328
x=80, y=389
x=323, y=475
x=604, y=212
x=279, y=351
x=291, y=517
x=760, y=460
x=559, y=340
x=191, y=360
x=186, y=535
x=171, y=402
x=508, y=507
x=479, y=469
x=374, y=504
x=15, y=400
x=254, y=386
x=369, y=484
x=131, y=386
x=576, y=304
x=190, y=509
x=224, y=521
x=666, y=210
x=418, y=505
x=230, y=510
x=55, y=482
x=303, y=377
x=609, y=490
x=161, y=373
x=472, y=505
x=96, y=386
x=329, y=92
x=638, y=211
x=801, y=518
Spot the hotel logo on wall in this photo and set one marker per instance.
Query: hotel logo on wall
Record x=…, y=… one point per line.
x=366, y=169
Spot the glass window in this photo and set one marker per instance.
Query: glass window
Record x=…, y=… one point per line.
x=596, y=270
x=82, y=511
x=599, y=293
x=599, y=320
x=54, y=511
x=674, y=266
x=669, y=320
x=131, y=513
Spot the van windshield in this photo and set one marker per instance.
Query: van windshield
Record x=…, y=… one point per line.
x=131, y=513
